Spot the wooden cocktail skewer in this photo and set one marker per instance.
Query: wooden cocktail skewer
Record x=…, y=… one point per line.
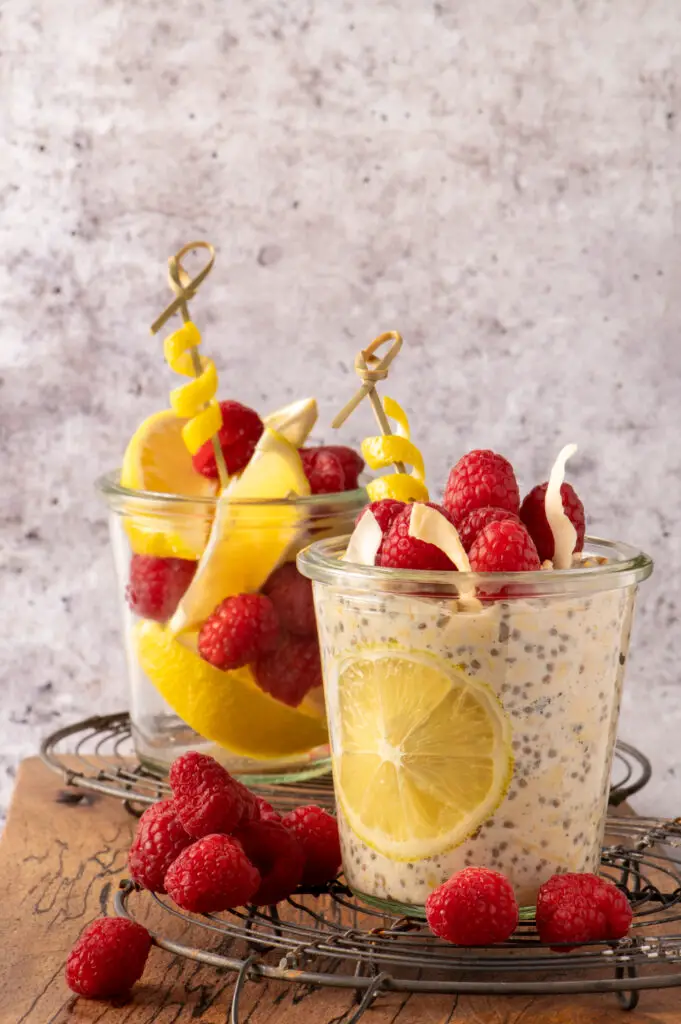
x=185, y=288
x=370, y=370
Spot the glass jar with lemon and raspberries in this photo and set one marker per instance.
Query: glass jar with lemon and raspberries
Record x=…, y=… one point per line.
x=473, y=656
x=219, y=625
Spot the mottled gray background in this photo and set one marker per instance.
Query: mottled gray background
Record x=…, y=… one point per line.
x=496, y=178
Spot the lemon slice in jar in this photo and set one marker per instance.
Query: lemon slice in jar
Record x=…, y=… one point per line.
x=157, y=460
x=227, y=708
x=422, y=753
x=248, y=541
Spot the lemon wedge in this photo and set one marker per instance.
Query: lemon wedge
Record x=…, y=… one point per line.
x=157, y=460
x=247, y=542
x=227, y=708
x=422, y=753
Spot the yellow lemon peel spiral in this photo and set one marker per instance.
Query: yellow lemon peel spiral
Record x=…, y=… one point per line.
x=383, y=451
x=196, y=400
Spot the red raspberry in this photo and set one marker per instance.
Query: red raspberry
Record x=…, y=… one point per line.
x=478, y=480
x=277, y=855
x=291, y=595
x=291, y=671
x=581, y=908
x=157, y=585
x=504, y=547
x=475, y=521
x=108, y=958
x=533, y=514
x=323, y=469
x=159, y=839
x=475, y=907
x=206, y=797
x=211, y=875
x=239, y=434
x=239, y=630
x=266, y=811
x=400, y=551
x=351, y=461
x=317, y=833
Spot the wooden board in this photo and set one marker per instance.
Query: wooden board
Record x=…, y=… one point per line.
x=60, y=862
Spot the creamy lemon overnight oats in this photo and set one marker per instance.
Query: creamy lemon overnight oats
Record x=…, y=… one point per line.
x=472, y=715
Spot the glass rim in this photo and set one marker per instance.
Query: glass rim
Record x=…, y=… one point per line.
x=108, y=485
x=320, y=562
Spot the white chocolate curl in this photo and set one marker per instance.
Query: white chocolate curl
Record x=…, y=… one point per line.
x=429, y=525
x=365, y=541
x=564, y=533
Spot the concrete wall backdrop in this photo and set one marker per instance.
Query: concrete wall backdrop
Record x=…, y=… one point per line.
x=496, y=179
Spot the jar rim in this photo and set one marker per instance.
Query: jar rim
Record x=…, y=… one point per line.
x=626, y=566
x=115, y=494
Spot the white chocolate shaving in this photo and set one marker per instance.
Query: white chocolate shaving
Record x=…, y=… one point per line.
x=429, y=525
x=294, y=421
x=365, y=541
x=564, y=533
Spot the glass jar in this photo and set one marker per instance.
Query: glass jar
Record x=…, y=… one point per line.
x=179, y=702
x=472, y=717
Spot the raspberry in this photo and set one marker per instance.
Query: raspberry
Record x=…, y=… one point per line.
x=478, y=480
x=291, y=595
x=159, y=839
x=108, y=958
x=323, y=469
x=475, y=907
x=533, y=514
x=351, y=461
x=504, y=547
x=475, y=521
x=211, y=875
x=581, y=908
x=277, y=855
x=400, y=551
x=206, y=797
x=317, y=833
x=266, y=811
x=239, y=434
x=239, y=630
x=291, y=671
x=156, y=585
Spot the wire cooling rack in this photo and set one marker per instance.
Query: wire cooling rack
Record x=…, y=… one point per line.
x=98, y=754
x=331, y=939
x=328, y=938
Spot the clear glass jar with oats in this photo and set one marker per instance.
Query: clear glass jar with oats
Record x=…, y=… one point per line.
x=471, y=729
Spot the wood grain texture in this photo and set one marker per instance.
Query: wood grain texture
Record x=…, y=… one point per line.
x=61, y=858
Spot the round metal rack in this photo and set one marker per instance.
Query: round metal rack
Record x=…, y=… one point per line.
x=331, y=939
x=328, y=938
x=98, y=754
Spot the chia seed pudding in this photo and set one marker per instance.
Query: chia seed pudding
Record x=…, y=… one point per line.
x=556, y=665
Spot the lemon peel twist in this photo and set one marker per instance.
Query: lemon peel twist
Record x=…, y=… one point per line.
x=390, y=449
x=194, y=401
x=387, y=449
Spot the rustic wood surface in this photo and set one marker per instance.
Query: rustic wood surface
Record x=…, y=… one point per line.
x=61, y=857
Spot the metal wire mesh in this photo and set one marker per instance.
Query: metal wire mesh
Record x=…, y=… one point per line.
x=329, y=938
x=332, y=939
x=98, y=754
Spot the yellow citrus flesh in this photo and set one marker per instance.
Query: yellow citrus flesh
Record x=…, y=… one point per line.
x=157, y=460
x=247, y=542
x=422, y=753
x=227, y=708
